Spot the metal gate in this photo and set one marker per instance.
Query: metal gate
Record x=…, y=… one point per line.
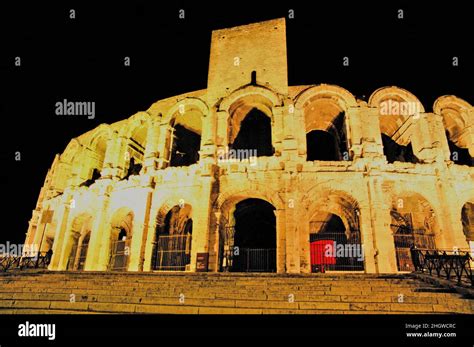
x=405, y=237
x=83, y=254
x=333, y=251
x=404, y=243
x=119, y=256
x=254, y=260
x=172, y=252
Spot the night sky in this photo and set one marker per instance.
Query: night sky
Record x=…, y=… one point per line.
x=81, y=59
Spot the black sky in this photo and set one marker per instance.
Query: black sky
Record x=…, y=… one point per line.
x=82, y=59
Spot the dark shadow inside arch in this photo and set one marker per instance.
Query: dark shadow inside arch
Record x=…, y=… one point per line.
x=327, y=145
x=120, y=252
x=395, y=152
x=255, y=134
x=185, y=147
x=467, y=218
x=173, y=240
x=255, y=237
x=459, y=155
x=321, y=145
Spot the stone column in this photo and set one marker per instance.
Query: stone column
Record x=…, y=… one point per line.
x=164, y=145
x=385, y=256
x=63, y=230
x=367, y=238
x=201, y=220
x=278, y=134
x=140, y=232
x=281, y=241
x=152, y=151
x=222, y=135
x=99, y=243
x=371, y=137
x=292, y=239
x=110, y=157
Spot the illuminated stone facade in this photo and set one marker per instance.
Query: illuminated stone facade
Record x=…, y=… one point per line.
x=383, y=167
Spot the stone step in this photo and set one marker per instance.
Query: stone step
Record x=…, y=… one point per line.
x=217, y=293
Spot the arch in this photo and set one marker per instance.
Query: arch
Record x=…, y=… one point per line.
x=173, y=238
x=396, y=107
x=251, y=119
x=336, y=202
x=250, y=92
x=334, y=227
x=258, y=191
x=188, y=103
x=80, y=227
x=121, y=223
x=183, y=140
x=394, y=93
x=414, y=223
x=343, y=98
x=454, y=112
x=324, y=109
x=135, y=132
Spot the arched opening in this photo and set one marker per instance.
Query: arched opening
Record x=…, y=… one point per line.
x=326, y=137
x=80, y=231
x=173, y=239
x=335, y=242
x=82, y=253
x=120, y=240
x=185, y=137
x=458, y=155
x=321, y=146
x=396, y=152
x=255, y=134
x=467, y=218
x=396, y=116
x=413, y=225
x=252, y=238
x=135, y=151
x=73, y=252
x=94, y=160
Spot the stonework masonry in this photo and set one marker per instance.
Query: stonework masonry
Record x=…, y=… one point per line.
x=115, y=189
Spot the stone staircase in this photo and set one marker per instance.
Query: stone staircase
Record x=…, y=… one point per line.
x=42, y=292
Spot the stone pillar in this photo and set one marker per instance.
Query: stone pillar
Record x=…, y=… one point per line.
x=108, y=168
x=371, y=137
x=305, y=250
x=140, y=233
x=292, y=239
x=152, y=151
x=201, y=220
x=290, y=135
x=99, y=243
x=279, y=113
x=281, y=241
x=384, y=245
x=353, y=121
x=150, y=239
x=222, y=135
x=63, y=230
x=164, y=145
x=367, y=238
x=448, y=216
x=214, y=241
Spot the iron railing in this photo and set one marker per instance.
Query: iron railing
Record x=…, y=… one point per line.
x=172, y=252
x=334, y=251
x=8, y=261
x=449, y=264
x=254, y=260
